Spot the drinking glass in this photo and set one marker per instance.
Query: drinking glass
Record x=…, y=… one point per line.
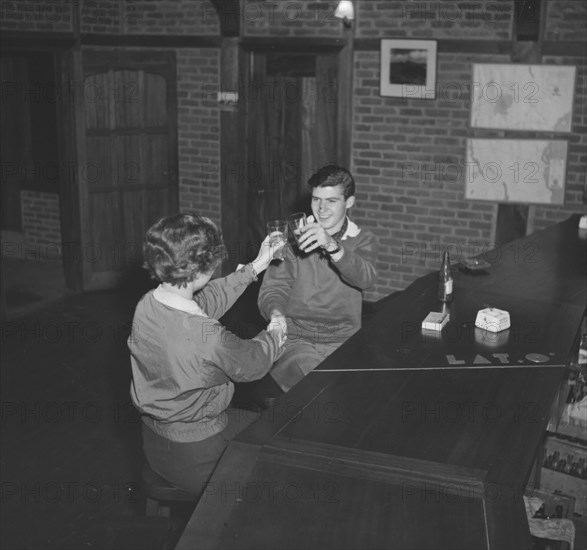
x=295, y=222
x=277, y=230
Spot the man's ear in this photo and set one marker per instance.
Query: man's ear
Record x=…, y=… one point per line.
x=350, y=202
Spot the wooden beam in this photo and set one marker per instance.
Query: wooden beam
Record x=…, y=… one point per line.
x=527, y=20
x=567, y=49
x=231, y=159
x=27, y=40
x=10, y=40
x=447, y=46
x=345, y=100
x=229, y=16
x=513, y=219
x=23, y=40
x=69, y=114
x=150, y=41
x=298, y=45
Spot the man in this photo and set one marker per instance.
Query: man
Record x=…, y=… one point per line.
x=317, y=290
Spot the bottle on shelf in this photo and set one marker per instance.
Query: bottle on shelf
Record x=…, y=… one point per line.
x=577, y=379
x=445, y=284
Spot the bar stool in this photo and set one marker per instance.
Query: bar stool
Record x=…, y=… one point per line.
x=161, y=494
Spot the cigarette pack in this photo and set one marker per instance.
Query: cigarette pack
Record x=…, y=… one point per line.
x=435, y=321
x=492, y=319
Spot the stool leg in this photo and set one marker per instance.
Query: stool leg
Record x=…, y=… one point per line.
x=164, y=511
x=152, y=508
x=157, y=508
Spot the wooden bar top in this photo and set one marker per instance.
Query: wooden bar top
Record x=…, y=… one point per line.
x=402, y=439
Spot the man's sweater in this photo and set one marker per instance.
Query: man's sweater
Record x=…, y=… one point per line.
x=321, y=298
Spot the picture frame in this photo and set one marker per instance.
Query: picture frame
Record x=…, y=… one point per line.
x=408, y=68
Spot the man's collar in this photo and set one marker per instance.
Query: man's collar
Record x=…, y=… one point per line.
x=352, y=230
x=174, y=301
x=348, y=228
x=338, y=235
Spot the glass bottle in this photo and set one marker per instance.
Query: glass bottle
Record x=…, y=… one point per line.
x=445, y=279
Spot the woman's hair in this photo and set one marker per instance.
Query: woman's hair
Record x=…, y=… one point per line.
x=178, y=248
x=332, y=175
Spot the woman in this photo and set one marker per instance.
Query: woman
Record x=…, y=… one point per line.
x=183, y=360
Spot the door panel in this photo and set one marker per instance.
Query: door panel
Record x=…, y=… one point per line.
x=13, y=117
x=130, y=178
x=291, y=130
x=289, y=183
x=105, y=230
x=324, y=136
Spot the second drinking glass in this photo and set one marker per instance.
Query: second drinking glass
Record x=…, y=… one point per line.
x=295, y=222
x=277, y=230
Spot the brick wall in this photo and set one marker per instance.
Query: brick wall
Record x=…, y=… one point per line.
x=409, y=159
x=290, y=18
x=111, y=16
x=479, y=19
x=566, y=20
x=408, y=155
x=199, y=131
x=41, y=224
x=172, y=16
x=149, y=16
x=37, y=15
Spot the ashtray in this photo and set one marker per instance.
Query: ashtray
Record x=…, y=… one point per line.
x=475, y=264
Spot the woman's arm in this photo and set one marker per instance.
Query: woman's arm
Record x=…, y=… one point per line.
x=244, y=360
x=218, y=296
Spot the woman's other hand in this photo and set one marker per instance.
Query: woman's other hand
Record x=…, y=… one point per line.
x=278, y=329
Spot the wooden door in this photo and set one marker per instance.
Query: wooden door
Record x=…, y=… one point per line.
x=13, y=152
x=129, y=175
x=291, y=125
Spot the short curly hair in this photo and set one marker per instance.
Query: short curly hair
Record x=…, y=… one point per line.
x=178, y=248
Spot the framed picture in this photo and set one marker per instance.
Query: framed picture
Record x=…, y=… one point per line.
x=408, y=69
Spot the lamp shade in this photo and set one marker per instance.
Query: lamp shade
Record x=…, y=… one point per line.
x=345, y=10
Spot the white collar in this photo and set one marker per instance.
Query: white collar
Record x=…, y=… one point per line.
x=352, y=229
x=177, y=302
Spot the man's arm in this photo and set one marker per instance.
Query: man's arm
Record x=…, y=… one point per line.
x=357, y=267
x=276, y=287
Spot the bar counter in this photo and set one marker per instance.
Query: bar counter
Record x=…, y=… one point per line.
x=408, y=439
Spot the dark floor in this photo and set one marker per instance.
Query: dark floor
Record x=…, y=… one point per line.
x=71, y=450
x=31, y=284
x=70, y=439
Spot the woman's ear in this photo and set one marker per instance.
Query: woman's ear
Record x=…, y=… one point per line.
x=350, y=202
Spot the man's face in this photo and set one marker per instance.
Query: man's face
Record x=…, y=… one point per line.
x=329, y=207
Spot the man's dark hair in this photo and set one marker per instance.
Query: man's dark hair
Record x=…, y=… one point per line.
x=331, y=175
x=178, y=248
